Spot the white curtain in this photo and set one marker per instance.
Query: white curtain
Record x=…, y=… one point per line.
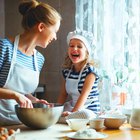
x=116, y=28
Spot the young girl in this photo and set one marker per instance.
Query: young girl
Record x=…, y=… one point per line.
x=20, y=62
x=80, y=81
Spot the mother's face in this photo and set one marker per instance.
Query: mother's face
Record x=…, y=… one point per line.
x=48, y=34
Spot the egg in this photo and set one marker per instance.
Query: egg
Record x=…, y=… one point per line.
x=11, y=131
x=2, y=138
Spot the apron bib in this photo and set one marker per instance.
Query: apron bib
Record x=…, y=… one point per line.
x=72, y=90
x=20, y=79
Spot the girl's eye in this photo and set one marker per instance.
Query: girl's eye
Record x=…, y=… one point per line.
x=71, y=46
x=79, y=46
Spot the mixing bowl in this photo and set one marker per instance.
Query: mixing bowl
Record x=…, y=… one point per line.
x=41, y=116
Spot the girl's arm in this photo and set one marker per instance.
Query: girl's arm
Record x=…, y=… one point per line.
x=63, y=97
x=63, y=94
x=89, y=80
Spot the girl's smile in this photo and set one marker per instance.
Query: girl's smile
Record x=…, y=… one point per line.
x=77, y=51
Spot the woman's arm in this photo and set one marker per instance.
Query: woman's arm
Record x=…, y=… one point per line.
x=19, y=98
x=89, y=80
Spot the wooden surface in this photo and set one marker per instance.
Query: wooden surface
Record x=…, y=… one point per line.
x=59, y=132
x=124, y=133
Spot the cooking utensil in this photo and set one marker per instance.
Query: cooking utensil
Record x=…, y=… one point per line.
x=41, y=116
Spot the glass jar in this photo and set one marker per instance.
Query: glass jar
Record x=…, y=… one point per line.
x=135, y=114
x=135, y=118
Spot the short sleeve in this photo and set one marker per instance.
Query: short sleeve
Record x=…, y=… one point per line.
x=4, y=51
x=65, y=73
x=40, y=61
x=92, y=69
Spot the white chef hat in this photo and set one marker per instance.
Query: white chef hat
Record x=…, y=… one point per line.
x=86, y=37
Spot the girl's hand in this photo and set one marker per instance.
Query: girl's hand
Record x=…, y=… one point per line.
x=66, y=113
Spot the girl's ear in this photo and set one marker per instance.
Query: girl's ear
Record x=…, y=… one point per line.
x=41, y=27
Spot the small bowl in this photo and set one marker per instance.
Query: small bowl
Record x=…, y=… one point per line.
x=76, y=124
x=41, y=116
x=114, y=122
x=96, y=123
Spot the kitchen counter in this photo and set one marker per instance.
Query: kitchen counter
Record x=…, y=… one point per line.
x=55, y=132
x=59, y=131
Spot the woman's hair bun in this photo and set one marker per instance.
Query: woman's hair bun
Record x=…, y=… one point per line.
x=26, y=5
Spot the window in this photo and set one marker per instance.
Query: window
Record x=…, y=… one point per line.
x=115, y=25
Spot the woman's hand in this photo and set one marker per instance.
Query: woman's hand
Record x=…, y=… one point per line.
x=36, y=100
x=42, y=101
x=23, y=101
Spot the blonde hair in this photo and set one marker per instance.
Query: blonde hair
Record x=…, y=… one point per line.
x=68, y=63
x=34, y=12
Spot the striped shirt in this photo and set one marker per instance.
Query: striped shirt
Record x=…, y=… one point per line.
x=6, y=53
x=94, y=93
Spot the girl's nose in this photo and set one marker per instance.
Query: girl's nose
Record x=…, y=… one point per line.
x=75, y=48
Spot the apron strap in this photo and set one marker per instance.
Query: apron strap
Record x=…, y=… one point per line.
x=79, y=74
x=35, y=61
x=16, y=42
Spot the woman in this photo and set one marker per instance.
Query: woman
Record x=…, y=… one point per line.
x=80, y=78
x=20, y=62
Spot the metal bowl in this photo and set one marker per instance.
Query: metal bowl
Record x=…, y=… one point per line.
x=41, y=116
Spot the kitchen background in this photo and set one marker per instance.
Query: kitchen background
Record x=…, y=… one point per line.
x=10, y=24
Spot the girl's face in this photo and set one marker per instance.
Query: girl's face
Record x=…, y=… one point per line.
x=77, y=51
x=48, y=34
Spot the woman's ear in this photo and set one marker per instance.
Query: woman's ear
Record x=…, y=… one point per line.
x=41, y=27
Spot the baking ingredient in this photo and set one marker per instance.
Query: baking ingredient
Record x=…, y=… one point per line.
x=87, y=133
x=6, y=134
x=11, y=131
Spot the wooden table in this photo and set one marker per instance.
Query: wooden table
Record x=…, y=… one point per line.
x=124, y=133
x=59, y=132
